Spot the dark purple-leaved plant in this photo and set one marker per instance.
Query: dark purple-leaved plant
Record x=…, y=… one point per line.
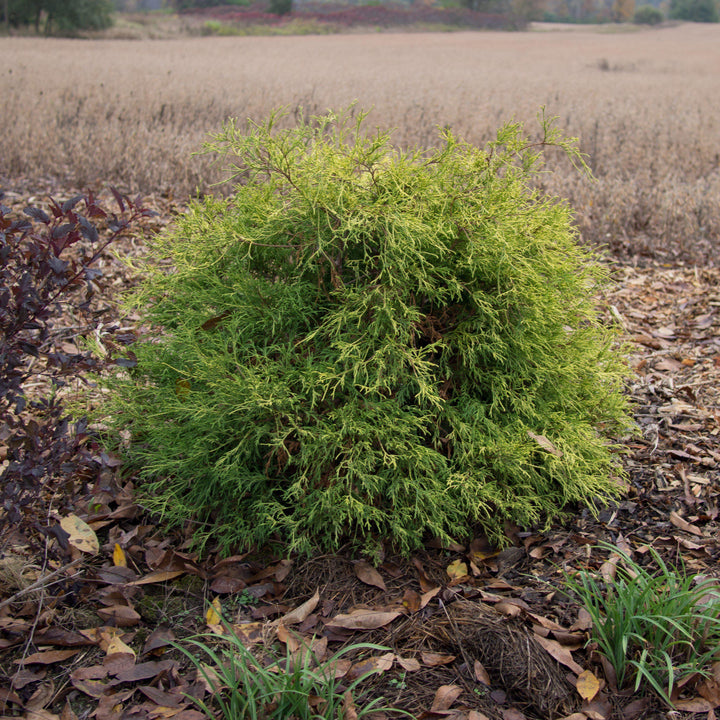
x=47, y=268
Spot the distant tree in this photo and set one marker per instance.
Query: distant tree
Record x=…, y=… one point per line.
x=647, y=15
x=694, y=10
x=65, y=16
x=623, y=10
x=280, y=7
x=61, y=16
x=188, y=4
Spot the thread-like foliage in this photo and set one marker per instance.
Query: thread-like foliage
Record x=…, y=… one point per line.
x=363, y=343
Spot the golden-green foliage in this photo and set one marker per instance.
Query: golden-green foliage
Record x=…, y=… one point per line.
x=361, y=342
x=642, y=104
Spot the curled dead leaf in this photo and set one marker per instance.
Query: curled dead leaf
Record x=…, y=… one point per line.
x=300, y=613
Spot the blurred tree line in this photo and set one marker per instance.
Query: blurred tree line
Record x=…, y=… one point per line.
x=650, y=13
x=58, y=16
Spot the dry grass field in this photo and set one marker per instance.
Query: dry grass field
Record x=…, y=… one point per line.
x=644, y=103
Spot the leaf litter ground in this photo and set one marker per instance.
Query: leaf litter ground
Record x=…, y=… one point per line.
x=472, y=632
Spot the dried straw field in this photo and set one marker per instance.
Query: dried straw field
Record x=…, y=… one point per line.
x=644, y=103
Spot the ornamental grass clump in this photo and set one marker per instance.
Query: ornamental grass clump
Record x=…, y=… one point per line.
x=366, y=343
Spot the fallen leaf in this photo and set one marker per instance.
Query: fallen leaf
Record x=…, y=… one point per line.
x=545, y=444
x=457, y=569
x=47, y=657
x=587, y=685
x=290, y=639
x=41, y=698
x=91, y=687
x=190, y=715
x=560, y=653
x=475, y=715
x=60, y=636
x=68, y=713
x=608, y=569
x=694, y=705
x=282, y=570
x=8, y=696
x=710, y=690
x=411, y=600
x=24, y=676
x=364, y=619
x=157, y=577
x=163, y=698
x=80, y=535
x=40, y=714
x=119, y=559
x=425, y=584
x=408, y=664
x=371, y=665
x=431, y=659
x=575, y=716
x=143, y=671
x=679, y=522
x=445, y=696
x=510, y=609
x=481, y=674
x=250, y=633
x=348, y=707
x=121, y=615
x=426, y=597
x=157, y=640
x=213, y=614
x=598, y=709
x=368, y=574
x=513, y=714
x=225, y=584
x=300, y=613
x=118, y=646
x=584, y=621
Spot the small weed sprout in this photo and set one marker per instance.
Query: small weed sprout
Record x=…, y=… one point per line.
x=654, y=628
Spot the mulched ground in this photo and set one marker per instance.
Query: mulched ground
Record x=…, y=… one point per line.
x=469, y=632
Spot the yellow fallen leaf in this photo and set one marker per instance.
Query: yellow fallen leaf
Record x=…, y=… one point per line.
x=587, y=685
x=457, y=569
x=80, y=535
x=116, y=645
x=119, y=559
x=213, y=616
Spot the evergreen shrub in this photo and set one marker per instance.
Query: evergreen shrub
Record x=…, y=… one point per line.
x=368, y=343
